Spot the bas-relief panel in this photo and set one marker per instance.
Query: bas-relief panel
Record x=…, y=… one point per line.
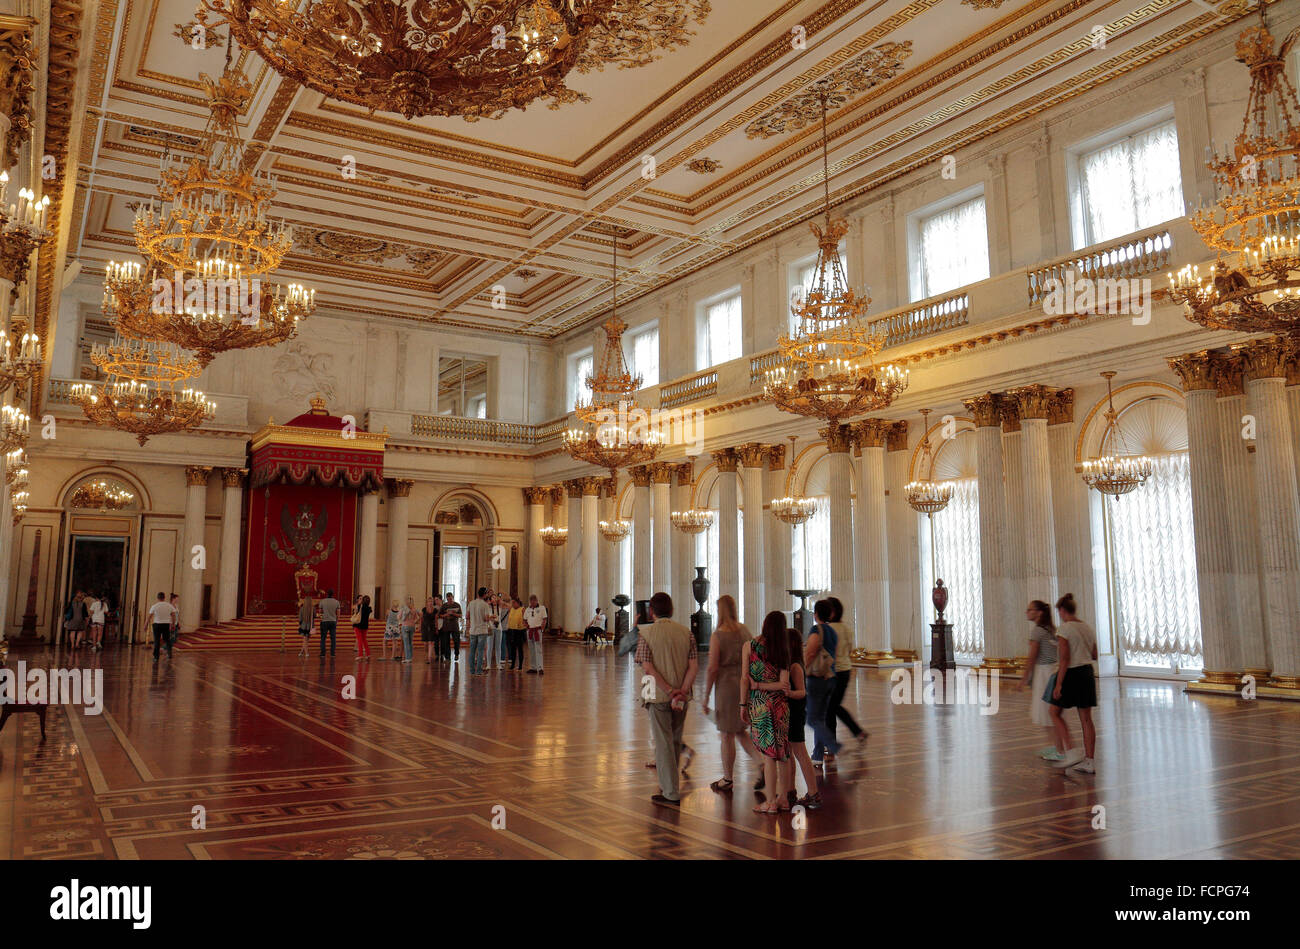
x=20, y=570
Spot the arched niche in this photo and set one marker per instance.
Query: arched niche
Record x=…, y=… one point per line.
x=954, y=458
x=470, y=509
x=1152, y=414
x=108, y=473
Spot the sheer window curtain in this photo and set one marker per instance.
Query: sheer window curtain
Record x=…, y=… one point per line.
x=721, y=332
x=1154, y=570
x=954, y=555
x=645, y=357
x=1131, y=184
x=810, y=550
x=583, y=367
x=954, y=248
x=455, y=571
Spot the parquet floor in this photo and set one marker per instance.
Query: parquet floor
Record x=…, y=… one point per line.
x=427, y=763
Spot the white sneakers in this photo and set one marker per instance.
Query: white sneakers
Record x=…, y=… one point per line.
x=1069, y=759
x=1072, y=760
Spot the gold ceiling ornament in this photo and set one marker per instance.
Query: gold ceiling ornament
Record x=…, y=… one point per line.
x=472, y=58
x=615, y=531
x=984, y=4
x=102, y=495
x=795, y=510
x=15, y=426
x=1254, y=223
x=211, y=206
x=704, y=166
x=834, y=91
x=208, y=313
x=554, y=536
x=827, y=369
x=22, y=229
x=925, y=495
x=20, y=358
x=1117, y=469
x=694, y=521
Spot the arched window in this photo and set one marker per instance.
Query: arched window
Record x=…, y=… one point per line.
x=950, y=546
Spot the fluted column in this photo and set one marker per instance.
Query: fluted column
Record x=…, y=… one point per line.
x=368, y=548
x=999, y=645
x=591, y=489
x=399, y=523
x=1038, y=531
x=6, y=540
x=871, y=630
x=683, y=543
x=232, y=496
x=1214, y=581
x=905, y=621
x=196, y=497
x=535, y=499
x=574, y=578
x=777, y=536
x=555, y=556
x=610, y=551
x=642, y=571
x=1013, y=495
x=753, y=456
x=1070, y=502
x=661, y=473
x=1264, y=362
x=839, y=484
x=728, y=581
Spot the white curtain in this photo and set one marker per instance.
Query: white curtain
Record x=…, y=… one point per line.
x=624, y=579
x=1154, y=569
x=455, y=571
x=1132, y=184
x=721, y=336
x=645, y=357
x=810, y=550
x=956, y=560
x=583, y=367
x=954, y=248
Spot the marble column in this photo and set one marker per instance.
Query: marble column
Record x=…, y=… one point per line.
x=1037, y=530
x=196, y=499
x=575, y=552
x=728, y=579
x=753, y=458
x=1070, y=503
x=1264, y=362
x=399, y=523
x=1214, y=581
x=839, y=485
x=906, y=631
x=6, y=535
x=591, y=490
x=610, y=551
x=999, y=635
x=535, y=499
x=368, y=548
x=777, y=536
x=232, y=496
x=683, y=543
x=662, y=474
x=1013, y=495
x=871, y=630
x=1237, y=444
x=642, y=570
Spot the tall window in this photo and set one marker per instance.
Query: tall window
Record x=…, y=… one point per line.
x=625, y=570
x=720, y=332
x=950, y=249
x=802, y=276
x=580, y=367
x=645, y=356
x=1130, y=184
x=478, y=407
x=1154, y=575
x=455, y=571
x=950, y=550
x=810, y=550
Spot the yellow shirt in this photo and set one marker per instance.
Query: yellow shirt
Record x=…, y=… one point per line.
x=515, y=619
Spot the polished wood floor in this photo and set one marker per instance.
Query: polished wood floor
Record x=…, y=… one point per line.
x=419, y=763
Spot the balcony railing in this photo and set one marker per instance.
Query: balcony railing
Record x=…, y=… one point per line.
x=472, y=429
x=700, y=386
x=1131, y=257
x=924, y=319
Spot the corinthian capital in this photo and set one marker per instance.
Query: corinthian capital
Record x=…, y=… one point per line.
x=986, y=409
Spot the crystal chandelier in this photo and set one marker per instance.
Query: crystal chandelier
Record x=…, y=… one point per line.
x=926, y=495
x=451, y=57
x=1254, y=224
x=1116, y=470
x=693, y=521
x=827, y=369
x=794, y=510
x=212, y=207
x=554, y=536
x=18, y=363
x=615, y=531
x=103, y=496
x=15, y=426
x=230, y=312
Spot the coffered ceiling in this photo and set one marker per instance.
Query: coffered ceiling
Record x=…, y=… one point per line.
x=421, y=219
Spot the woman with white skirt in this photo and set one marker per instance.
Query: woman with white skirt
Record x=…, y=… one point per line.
x=1038, y=671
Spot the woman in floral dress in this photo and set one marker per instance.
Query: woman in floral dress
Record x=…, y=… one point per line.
x=766, y=667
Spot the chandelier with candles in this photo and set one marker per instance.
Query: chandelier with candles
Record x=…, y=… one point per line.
x=616, y=530
x=22, y=229
x=20, y=358
x=554, y=536
x=694, y=521
x=18, y=503
x=102, y=495
x=827, y=369
x=15, y=426
x=472, y=58
x=925, y=495
x=794, y=510
x=1254, y=223
x=1117, y=469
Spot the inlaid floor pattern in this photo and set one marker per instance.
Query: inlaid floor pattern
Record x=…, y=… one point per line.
x=258, y=754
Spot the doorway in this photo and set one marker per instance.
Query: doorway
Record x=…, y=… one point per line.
x=97, y=566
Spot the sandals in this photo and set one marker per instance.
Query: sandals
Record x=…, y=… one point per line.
x=722, y=785
x=766, y=809
x=811, y=801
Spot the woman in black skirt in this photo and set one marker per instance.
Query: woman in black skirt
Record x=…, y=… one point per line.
x=1074, y=686
x=797, y=698
x=429, y=626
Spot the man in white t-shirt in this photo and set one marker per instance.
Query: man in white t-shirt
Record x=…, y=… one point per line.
x=98, y=613
x=479, y=625
x=595, y=631
x=535, y=618
x=162, y=615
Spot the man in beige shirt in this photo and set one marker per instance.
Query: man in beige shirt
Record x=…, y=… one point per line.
x=667, y=656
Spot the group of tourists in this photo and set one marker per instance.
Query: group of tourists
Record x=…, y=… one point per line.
x=84, y=619
x=1059, y=672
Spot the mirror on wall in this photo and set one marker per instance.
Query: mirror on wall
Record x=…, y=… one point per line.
x=463, y=386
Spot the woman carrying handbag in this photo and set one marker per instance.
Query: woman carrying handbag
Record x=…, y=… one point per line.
x=819, y=661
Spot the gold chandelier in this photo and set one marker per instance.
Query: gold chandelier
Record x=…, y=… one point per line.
x=615, y=531
x=15, y=461
x=211, y=206
x=693, y=521
x=15, y=426
x=554, y=536
x=1116, y=470
x=925, y=495
x=473, y=58
x=1254, y=224
x=18, y=501
x=827, y=369
x=102, y=495
x=22, y=230
x=18, y=363
x=794, y=510
x=211, y=312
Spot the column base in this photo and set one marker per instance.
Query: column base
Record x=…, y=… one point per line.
x=907, y=656
x=1285, y=683
x=1261, y=674
x=1001, y=665
x=875, y=658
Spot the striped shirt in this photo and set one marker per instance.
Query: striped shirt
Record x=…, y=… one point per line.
x=1046, y=640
